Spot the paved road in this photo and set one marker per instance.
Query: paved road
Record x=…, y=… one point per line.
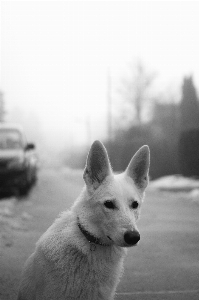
x=165, y=265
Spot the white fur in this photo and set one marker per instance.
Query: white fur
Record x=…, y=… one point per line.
x=63, y=266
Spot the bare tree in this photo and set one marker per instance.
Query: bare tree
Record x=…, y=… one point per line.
x=134, y=87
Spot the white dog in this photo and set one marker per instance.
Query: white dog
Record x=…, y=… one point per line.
x=81, y=255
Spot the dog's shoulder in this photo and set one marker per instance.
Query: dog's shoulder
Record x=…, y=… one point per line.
x=61, y=238
x=63, y=223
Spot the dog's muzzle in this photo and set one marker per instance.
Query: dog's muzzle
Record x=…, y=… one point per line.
x=131, y=237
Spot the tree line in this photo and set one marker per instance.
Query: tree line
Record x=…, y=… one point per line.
x=172, y=132
x=172, y=135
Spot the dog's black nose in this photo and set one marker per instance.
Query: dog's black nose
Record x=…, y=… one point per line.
x=131, y=237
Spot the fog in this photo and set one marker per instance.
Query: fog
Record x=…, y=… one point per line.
x=62, y=62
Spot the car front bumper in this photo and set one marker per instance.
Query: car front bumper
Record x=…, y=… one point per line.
x=12, y=179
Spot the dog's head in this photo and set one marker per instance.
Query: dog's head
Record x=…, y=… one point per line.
x=113, y=202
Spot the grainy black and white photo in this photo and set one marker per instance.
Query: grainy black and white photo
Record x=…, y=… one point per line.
x=99, y=150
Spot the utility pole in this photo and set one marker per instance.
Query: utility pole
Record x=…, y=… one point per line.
x=109, y=106
x=2, y=109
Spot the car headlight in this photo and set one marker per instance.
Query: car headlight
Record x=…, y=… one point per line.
x=16, y=163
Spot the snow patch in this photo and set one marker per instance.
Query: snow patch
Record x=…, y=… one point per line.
x=187, y=187
x=11, y=221
x=7, y=207
x=175, y=183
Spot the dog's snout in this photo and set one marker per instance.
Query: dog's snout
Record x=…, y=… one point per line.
x=131, y=237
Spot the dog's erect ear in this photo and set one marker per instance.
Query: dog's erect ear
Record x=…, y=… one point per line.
x=97, y=166
x=138, y=167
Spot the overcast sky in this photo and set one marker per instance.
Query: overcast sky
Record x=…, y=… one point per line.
x=55, y=56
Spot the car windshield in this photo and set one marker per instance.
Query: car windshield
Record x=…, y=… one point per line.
x=10, y=139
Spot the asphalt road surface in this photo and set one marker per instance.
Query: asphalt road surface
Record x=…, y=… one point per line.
x=164, y=266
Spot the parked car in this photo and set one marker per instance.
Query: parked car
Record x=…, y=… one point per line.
x=18, y=160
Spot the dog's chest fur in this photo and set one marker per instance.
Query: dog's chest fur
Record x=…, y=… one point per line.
x=84, y=274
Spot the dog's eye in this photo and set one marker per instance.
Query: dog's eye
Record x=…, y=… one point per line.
x=134, y=205
x=109, y=204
